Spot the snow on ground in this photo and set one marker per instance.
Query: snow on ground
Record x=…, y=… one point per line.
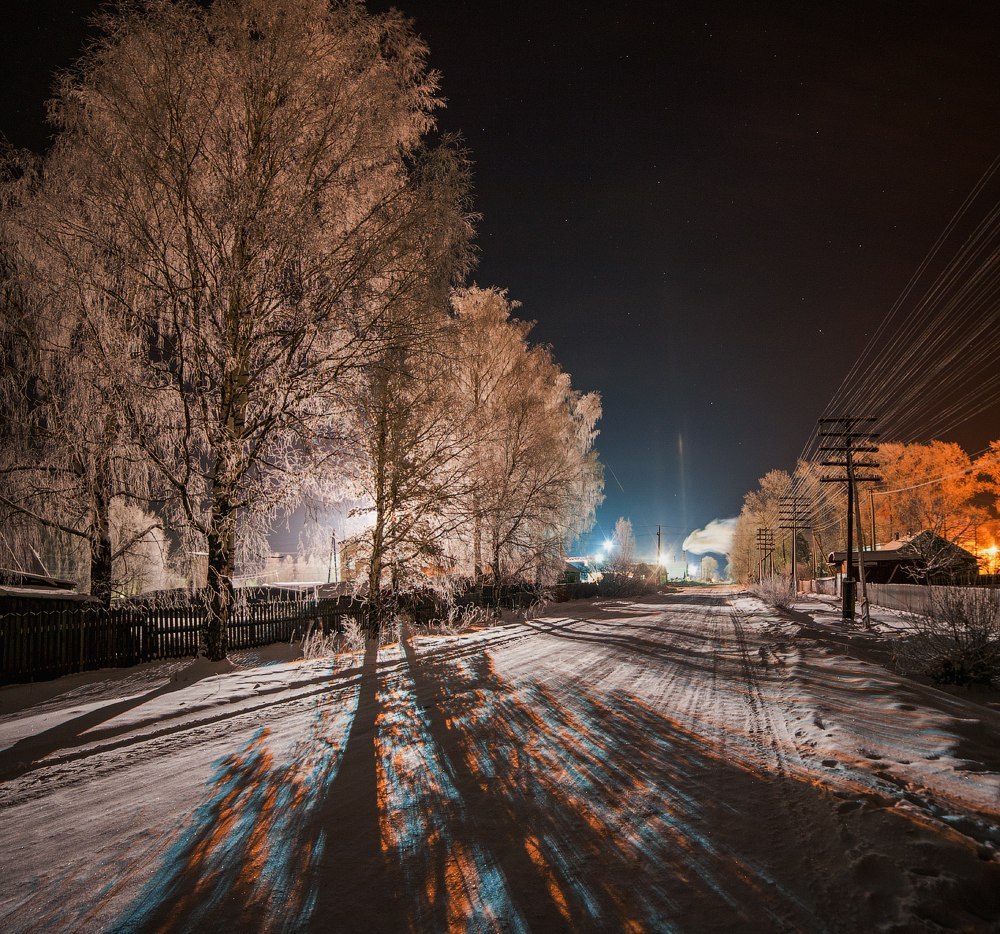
x=693, y=761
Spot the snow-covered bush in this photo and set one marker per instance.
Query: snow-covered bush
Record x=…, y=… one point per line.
x=538, y=606
x=776, y=590
x=577, y=591
x=391, y=629
x=353, y=635
x=460, y=617
x=958, y=642
x=623, y=585
x=450, y=624
x=319, y=644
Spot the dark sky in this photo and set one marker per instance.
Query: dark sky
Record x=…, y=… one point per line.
x=707, y=207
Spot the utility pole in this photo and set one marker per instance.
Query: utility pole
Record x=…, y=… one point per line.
x=850, y=436
x=865, y=608
x=765, y=552
x=871, y=499
x=659, y=564
x=793, y=513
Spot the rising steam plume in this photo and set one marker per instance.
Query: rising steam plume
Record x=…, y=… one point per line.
x=715, y=538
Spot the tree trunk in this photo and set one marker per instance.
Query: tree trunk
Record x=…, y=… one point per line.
x=101, y=573
x=221, y=548
x=100, y=559
x=221, y=564
x=377, y=561
x=222, y=524
x=496, y=568
x=477, y=543
x=375, y=571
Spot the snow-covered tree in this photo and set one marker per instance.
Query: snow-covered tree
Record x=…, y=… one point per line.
x=415, y=468
x=147, y=564
x=760, y=511
x=535, y=481
x=937, y=491
x=488, y=347
x=242, y=196
x=66, y=455
x=622, y=556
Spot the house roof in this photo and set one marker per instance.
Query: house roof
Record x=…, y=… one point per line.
x=44, y=593
x=44, y=582
x=910, y=549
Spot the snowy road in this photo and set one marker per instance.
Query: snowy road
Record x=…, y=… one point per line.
x=685, y=762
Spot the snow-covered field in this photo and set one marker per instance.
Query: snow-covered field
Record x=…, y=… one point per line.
x=687, y=762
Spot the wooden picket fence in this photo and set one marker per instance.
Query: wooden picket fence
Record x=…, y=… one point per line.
x=45, y=644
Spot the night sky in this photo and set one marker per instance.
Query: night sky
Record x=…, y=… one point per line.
x=707, y=207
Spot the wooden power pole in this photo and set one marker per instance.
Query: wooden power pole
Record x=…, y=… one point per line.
x=794, y=515
x=848, y=437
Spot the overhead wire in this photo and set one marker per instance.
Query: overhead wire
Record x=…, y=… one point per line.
x=945, y=346
x=932, y=362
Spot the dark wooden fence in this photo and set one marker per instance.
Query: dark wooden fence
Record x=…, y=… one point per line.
x=48, y=643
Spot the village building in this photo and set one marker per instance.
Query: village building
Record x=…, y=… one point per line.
x=925, y=558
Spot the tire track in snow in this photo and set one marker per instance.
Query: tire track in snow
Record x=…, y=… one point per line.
x=780, y=754
x=685, y=667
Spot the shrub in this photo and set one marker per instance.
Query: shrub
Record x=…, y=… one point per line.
x=574, y=591
x=353, y=637
x=319, y=644
x=462, y=616
x=958, y=642
x=776, y=590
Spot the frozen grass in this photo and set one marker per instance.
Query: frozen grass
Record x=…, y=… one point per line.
x=318, y=644
x=776, y=590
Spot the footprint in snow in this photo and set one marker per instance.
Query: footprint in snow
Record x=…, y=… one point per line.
x=847, y=806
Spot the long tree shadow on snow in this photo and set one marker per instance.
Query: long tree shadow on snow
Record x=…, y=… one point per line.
x=586, y=810
x=28, y=753
x=454, y=799
x=601, y=813
x=247, y=858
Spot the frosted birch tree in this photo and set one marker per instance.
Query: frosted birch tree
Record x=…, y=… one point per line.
x=242, y=195
x=535, y=481
x=760, y=511
x=416, y=465
x=623, y=548
x=65, y=456
x=489, y=345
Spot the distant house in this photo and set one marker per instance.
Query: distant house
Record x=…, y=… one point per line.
x=578, y=571
x=926, y=558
